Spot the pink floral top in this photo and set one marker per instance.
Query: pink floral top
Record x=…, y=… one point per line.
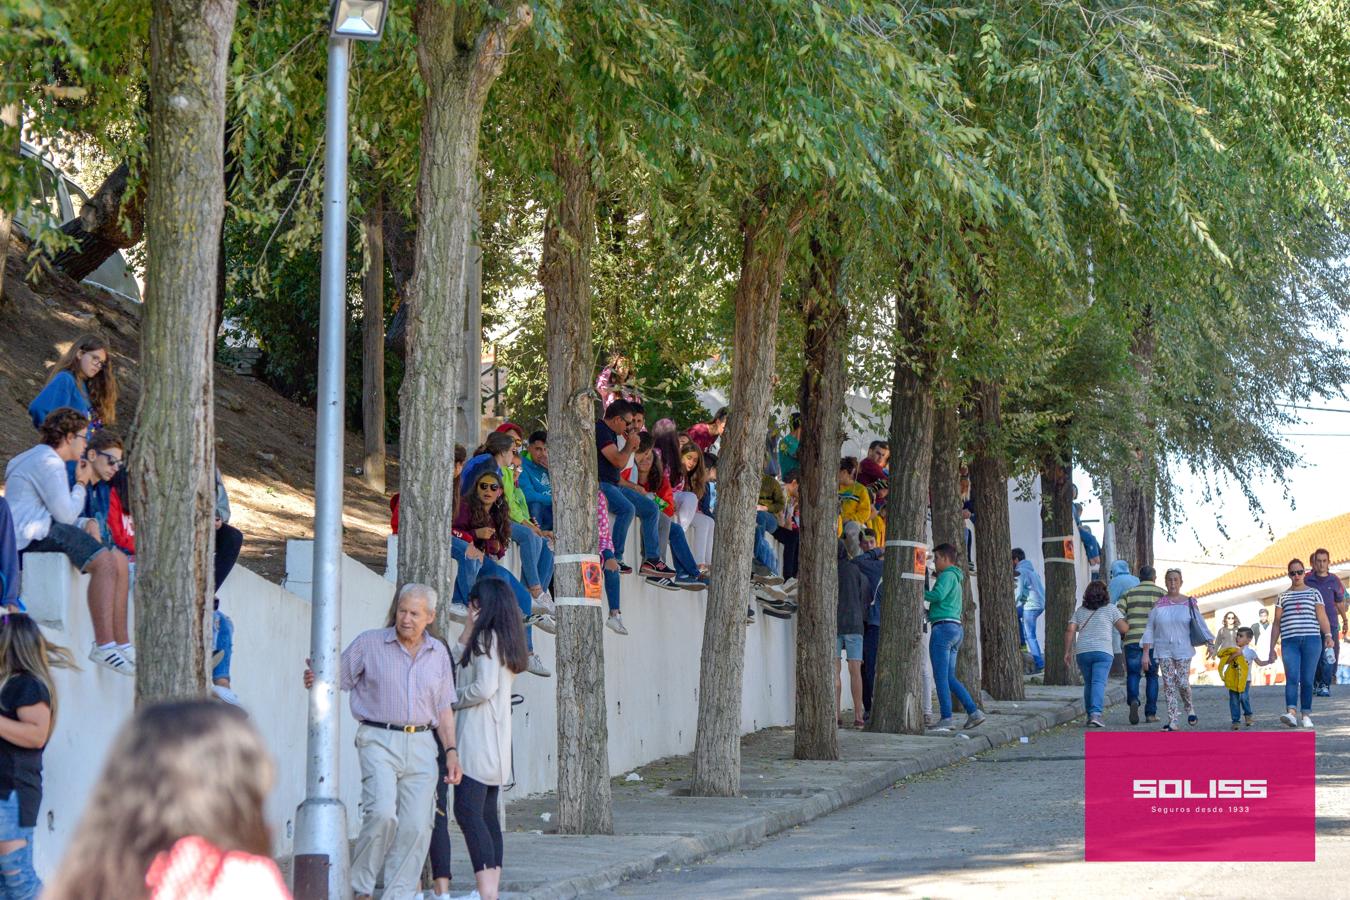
x=602, y=523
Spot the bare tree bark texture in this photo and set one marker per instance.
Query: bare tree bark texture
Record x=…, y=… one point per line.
x=1134, y=486
x=897, y=700
x=108, y=222
x=457, y=77
x=372, y=345
x=1061, y=583
x=764, y=252
x=948, y=527
x=173, y=450
x=1000, y=631
x=584, y=802
x=821, y=402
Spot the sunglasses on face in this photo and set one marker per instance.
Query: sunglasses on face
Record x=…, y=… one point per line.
x=1295, y=573
x=111, y=460
x=490, y=486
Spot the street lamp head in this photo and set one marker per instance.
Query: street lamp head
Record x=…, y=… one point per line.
x=359, y=20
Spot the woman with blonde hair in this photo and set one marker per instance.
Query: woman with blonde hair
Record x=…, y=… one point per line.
x=177, y=812
x=27, y=719
x=82, y=379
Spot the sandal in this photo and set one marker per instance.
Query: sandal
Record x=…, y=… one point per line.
x=858, y=723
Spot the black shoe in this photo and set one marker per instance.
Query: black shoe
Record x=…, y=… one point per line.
x=664, y=583
x=775, y=613
x=1191, y=720
x=625, y=569
x=1134, y=712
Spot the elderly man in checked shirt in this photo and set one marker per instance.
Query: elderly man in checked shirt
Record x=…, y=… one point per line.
x=402, y=686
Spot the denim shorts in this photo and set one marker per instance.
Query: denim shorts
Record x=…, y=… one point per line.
x=17, y=877
x=77, y=544
x=850, y=645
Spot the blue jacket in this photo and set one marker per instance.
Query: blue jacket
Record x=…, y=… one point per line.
x=1030, y=590
x=1121, y=580
x=534, y=481
x=871, y=564
x=63, y=390
x=9, y=559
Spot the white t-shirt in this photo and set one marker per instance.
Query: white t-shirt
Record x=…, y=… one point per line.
x=1252, y=658
x=1095, y=627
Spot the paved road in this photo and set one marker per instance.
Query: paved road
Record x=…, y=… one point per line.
x=1010, y=822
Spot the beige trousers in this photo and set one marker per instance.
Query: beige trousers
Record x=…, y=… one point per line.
x=398, y=803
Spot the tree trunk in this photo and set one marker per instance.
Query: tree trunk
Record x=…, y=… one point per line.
x=1061, y=583
x=949, y=528
x=764, y=252
x=108, y=222
x=897, y=701
x=821, y=402
x=456, y=84
x=173, y=451
x=372, y=356
x=1132, y=502
x=584, y=802
x=1000, y=632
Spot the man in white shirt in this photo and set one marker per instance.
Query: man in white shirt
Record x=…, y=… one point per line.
x=47, y=519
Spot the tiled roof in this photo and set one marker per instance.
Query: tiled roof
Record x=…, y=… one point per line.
x=1332, y=534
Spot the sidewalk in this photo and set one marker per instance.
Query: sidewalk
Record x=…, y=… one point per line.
x=658, y=825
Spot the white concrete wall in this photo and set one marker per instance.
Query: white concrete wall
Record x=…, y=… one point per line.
x=651, y=679
x=1024, y=514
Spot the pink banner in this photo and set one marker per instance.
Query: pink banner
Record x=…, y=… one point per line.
x=1200, y=795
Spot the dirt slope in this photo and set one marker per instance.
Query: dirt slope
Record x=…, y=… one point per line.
x=265, y=443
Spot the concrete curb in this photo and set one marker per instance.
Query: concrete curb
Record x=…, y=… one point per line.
x=685, y=850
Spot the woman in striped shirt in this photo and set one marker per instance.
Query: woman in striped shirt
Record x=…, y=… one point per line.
x=1302, y=631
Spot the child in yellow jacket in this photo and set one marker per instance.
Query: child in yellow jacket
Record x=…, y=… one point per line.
x=1235, y=668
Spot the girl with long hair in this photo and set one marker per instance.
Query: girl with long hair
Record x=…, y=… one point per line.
x=82, y=379
x=690, y=482
x=482, y=520
x=177, y=812
x=27, y=719
x=492, y=653
x=536, y=559
x=651, y=476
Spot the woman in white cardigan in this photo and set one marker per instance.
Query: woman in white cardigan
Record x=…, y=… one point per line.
x=492, y=653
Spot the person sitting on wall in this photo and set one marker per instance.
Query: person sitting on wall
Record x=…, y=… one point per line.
x=47, y=519
x=535, y=482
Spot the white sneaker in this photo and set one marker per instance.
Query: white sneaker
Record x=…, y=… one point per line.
x=789, y=586
x=110, y=658
x=543, y=621
x=1307, y=722
x=129, y=653
x=544, y=602
x=1288, y=719
x=227, y=695
x=537, y=667
x=458, y=612
x=615, y=624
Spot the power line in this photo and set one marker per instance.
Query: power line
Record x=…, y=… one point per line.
x=1330, y=409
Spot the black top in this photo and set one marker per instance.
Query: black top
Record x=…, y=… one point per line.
x=605, y=437
x=21, y=767
x=853, y=598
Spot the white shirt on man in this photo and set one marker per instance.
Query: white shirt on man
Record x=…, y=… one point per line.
x=39, y=492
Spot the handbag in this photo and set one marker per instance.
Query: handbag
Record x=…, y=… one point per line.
x=1199, y=631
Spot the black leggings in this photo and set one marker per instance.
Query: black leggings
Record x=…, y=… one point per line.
x=476, y=813
x=229, y=541
x=440, y=828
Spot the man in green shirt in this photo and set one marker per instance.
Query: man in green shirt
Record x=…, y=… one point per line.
x=1136, y=604
x=945, y=636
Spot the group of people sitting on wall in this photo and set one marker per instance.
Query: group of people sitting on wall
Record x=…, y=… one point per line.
x=69, y=494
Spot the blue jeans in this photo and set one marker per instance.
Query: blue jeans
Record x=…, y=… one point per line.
x=1029, y=617
x=18, y=880
x=536, y=560
x=685, y=565
x=1134, y=670
x=1326, y=674
x=542, y=513
x=943, y=645
x=1300, y=656
x=1240, y=702
x=623, y=506
x=466, y=572
x=765, y=525
x=493, y=569
x=1094, y=665
x=611, y=582
x=224, y=641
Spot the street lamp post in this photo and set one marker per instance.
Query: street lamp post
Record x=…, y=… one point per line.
x=321, y=869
